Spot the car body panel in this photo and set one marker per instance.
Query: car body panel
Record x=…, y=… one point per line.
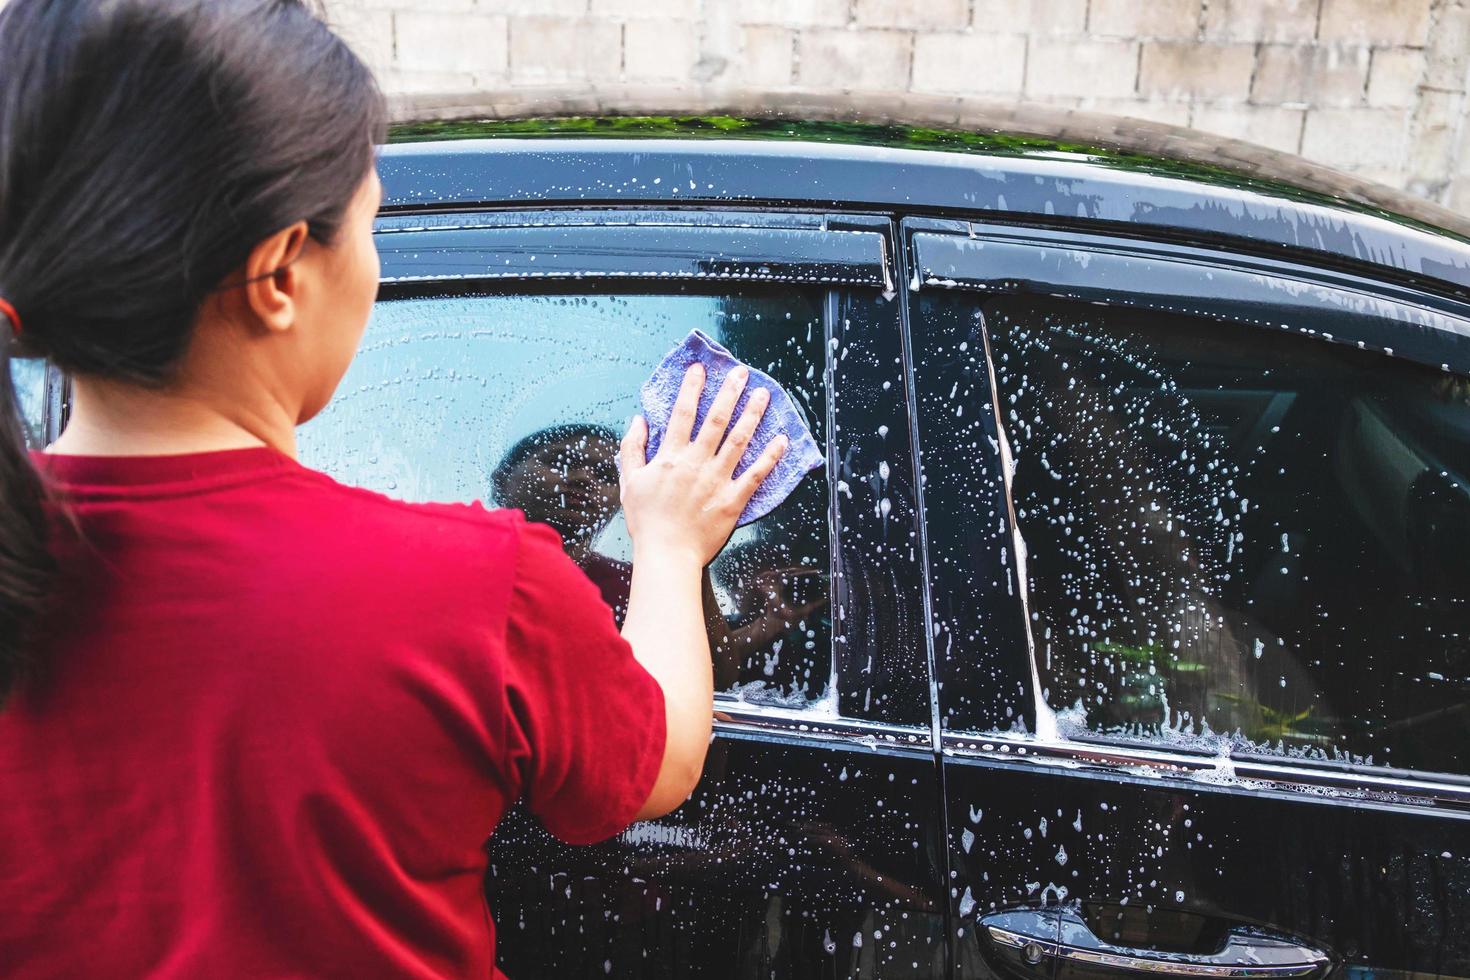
x=1380, y=885
x=797, y=857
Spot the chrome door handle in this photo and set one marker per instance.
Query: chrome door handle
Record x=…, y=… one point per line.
x=1040, y=939
x=1021, y=942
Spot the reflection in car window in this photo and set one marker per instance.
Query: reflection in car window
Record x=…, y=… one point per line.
x=1236, y=540
x=29, y=378
x=521, y=400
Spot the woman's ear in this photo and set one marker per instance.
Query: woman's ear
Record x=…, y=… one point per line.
x=272, y=286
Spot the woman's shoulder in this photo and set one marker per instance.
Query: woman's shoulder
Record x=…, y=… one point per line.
x=441, y=524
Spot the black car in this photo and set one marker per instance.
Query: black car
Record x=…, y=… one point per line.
x=1127, y=629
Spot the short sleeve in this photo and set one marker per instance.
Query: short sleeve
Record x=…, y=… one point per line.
x=585, y=721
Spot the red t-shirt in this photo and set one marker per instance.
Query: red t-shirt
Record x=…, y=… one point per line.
x=283, y=717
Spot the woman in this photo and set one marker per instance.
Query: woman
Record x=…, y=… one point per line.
x=255, y=722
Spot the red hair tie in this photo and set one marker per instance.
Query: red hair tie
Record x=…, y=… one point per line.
x=11, y=315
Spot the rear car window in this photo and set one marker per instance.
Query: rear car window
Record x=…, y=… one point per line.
x=29, y=378
x=520, y=400
x=1237, y=540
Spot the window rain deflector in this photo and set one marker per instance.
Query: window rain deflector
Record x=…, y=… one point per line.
x=1333, y=307
x=577, y=245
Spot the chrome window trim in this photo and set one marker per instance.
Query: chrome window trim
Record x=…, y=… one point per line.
x=1187, y=770
x=741, y=719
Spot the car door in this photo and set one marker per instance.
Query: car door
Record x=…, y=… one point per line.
x=1197, y=526
x=502, y=363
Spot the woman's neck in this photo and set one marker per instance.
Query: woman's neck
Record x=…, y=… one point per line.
x=110, y=418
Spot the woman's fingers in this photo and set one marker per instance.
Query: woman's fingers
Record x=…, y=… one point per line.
x=686, y=407
x=740, y=436
x=747, y=482
x=717, y=420
x=633, y=451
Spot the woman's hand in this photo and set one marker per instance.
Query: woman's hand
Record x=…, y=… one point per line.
x=681, y=507
x=685, y=500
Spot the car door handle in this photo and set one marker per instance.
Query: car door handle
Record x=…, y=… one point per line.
x=1037, y=942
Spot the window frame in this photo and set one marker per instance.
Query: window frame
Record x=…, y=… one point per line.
x=56, y=406
x=841, y=254
x=58, y=402
x=1225, y=286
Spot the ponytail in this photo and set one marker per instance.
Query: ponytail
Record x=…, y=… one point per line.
x=146, y=147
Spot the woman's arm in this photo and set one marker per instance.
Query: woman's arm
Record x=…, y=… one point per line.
x=681, y=507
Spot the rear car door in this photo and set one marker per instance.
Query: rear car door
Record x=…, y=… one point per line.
x=1197, y=534
x=503, y=363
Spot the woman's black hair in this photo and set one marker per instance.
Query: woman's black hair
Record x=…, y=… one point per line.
x=146, y=147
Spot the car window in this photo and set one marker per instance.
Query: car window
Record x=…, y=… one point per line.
x=1239, y=540
x=28, y=375
x=520, y=400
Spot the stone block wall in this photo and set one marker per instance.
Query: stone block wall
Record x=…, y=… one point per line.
x=1373, y=87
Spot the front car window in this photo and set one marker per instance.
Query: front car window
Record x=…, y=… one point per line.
x=1237, y=540
x=520, y=399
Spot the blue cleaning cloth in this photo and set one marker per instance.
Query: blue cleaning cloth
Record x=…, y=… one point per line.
x=782, y=416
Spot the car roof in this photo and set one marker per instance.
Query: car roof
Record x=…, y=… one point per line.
x=1102, y=173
